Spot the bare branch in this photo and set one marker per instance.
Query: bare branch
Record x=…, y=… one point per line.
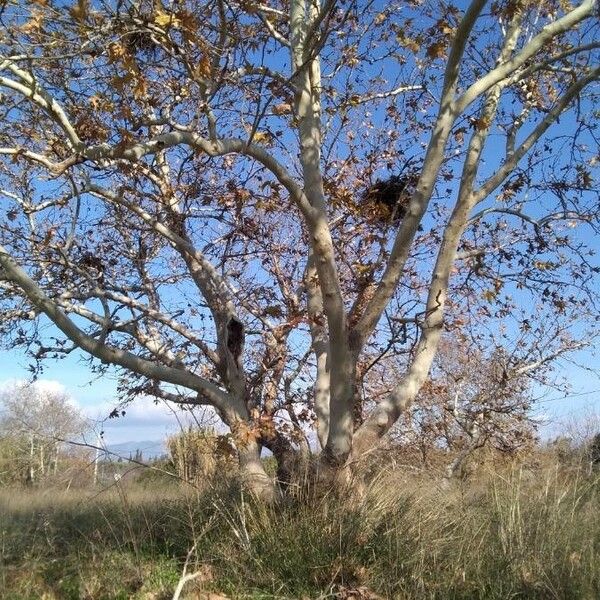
x=504, y=70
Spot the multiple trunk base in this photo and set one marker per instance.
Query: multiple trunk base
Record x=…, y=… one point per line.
x=298, y=473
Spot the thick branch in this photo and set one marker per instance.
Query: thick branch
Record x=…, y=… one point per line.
x=513, y=159
x=420, y=200
x=31, y=89
x=103, y=352
x=403, y=394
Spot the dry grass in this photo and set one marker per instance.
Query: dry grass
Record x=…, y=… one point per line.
x=507, y=535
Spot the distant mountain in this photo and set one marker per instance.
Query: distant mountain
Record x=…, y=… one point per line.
x=149, y=449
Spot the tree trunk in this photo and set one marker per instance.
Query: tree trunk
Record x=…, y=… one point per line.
x=95, y=479
x=341, y=420
x=285, y=456
x=454, y=468
x=55, y=461
x=253, y=476
x=31, y=469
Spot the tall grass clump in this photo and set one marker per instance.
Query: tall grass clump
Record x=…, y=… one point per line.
x=415, y=538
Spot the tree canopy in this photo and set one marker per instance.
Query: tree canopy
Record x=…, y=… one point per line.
x=255, y=206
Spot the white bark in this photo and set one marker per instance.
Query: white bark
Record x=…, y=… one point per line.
x=253, y=475
x=507, y=68
x=336, y=344
x=101, y=351
x=431, y=165
x=320, y=346
x=307, y=109
x=404, y=393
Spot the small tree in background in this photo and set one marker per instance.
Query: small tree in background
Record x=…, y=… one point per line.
x=472, y=400
x=35, y=423
x=576, y=438
x=14, y=458
x=594, y=451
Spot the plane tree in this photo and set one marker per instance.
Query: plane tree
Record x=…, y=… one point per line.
x=250, y=205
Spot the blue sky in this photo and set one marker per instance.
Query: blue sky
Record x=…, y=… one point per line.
x=582, y=372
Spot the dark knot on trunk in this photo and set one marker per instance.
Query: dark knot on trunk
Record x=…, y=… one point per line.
x=235, y=338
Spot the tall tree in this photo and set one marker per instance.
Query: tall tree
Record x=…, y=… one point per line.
x=243, y=204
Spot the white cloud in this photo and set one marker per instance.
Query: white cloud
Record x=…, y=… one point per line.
x=51, y=386
x=46, y=385
x=145, y=419
x=142, y=410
